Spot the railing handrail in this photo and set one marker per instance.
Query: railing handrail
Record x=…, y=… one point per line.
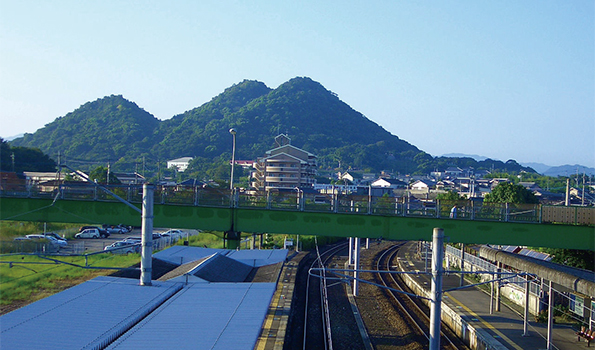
x=299, y=200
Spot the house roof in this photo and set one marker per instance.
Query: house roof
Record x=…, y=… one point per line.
x=181, y=160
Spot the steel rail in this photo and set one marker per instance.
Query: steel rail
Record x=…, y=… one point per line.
x=326, y=255
x=386, y=257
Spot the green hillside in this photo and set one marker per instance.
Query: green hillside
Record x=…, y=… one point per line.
x=117, y=130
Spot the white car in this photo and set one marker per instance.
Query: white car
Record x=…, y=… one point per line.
x=122, y=247
x=88, y=233
x=174, y=234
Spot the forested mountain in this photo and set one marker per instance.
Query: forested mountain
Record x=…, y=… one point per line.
x=117, y=130
x=109, y=128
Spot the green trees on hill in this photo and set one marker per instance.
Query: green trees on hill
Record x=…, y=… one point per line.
x=21, y=159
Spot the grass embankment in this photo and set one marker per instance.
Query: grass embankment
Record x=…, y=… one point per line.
x=11, y=229
x=27, y=280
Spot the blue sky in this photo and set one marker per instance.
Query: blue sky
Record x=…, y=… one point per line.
x=506, y=80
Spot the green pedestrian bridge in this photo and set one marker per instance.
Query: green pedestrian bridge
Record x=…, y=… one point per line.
x=295, y=211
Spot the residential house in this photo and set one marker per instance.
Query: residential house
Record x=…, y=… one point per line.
x=421, y=186
x=353, y=177
x=130, y=178
x=389, y=183
x=285, y=166
x=453, y=172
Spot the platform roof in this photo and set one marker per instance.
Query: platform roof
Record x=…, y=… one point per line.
x=180, y=255
x=89, y=315
x=257, y=258
x=204, y=316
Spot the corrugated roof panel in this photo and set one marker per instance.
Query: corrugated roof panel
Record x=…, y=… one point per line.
x=259, y=258
x=204, y=316
x=509, y=248
x=183, y=254
x=88, y=315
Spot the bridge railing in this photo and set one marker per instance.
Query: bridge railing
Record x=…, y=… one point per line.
x=299, y=200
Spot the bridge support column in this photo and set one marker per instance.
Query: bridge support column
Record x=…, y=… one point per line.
x=356, y=266
x=436, y=291
x=253, y=243
x=146, y=261
x=261, y=242
x=232, y=240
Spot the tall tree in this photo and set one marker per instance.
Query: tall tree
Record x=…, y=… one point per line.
x=506, y=192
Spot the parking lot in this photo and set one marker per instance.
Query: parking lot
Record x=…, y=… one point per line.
x=91, y=245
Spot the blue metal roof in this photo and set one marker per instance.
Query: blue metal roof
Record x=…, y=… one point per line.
x=259, y=258
x=89, y=315
x=183, y=254
x=204, y=316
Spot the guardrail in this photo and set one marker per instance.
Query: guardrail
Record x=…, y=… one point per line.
x=298, y=200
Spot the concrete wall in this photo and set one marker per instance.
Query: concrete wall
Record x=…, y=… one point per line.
x=509, y=291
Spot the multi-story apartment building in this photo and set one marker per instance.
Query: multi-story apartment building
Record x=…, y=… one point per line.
x=285, y=166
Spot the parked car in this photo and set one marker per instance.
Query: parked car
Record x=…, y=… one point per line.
x=53, y=241
x=88, y=233
x=124, y=228
x=174, y=234
x=113, y=229
x=122, y=247
x=55, y=235
x=133, y=239
x=102, y=233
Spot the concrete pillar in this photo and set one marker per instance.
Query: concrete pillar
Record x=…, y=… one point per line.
x=492, y=295
x=550, y=316
x=146, y=261
x=350, y=257
x=498, y=285
x=436, y=289
x=261, y=242
x=462, y=282
x=356, y=266
x=526, y=313
x=253, y=243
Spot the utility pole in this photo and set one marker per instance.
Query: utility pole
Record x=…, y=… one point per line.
x=583, y=196
x=567, y=201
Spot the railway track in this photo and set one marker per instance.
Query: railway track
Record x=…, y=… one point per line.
x=412, y=310
x=317, y=320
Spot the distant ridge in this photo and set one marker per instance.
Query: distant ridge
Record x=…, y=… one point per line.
x=567, y=170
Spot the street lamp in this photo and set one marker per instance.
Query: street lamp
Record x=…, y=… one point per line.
x=232, y=131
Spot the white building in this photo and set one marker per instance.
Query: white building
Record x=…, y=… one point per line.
x=180, y=164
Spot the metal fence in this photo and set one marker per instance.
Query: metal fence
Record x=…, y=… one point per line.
x=480, y=264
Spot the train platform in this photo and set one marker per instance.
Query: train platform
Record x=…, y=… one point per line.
x=272, y=335
x=473, y=305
